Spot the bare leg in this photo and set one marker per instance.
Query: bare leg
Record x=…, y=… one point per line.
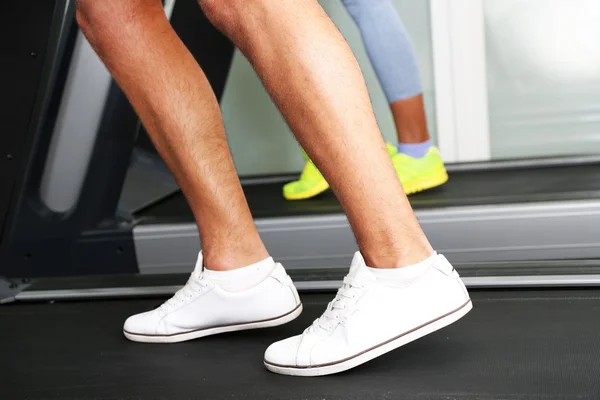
x=312, y=75
x=178, y=108
x=410, y=120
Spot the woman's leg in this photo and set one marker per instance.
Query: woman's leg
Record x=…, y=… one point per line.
x=393, y=57
x=418, y=163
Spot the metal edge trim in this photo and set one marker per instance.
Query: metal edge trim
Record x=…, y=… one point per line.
x=495, y=282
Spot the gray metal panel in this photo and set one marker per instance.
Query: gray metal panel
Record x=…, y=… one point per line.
x=511, y=232
x=516, y=232
x=148, y=181
x=76, y=128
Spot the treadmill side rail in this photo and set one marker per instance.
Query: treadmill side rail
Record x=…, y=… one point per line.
x=559, y=230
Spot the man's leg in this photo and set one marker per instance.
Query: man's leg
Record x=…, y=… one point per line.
x=178, y=108
x=313, y=77
x=310, y=72
x=174, y=100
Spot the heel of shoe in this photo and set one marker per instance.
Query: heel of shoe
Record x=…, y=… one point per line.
x=443, y=265
x=463, y=288
x=295, y=294
x=281, y=276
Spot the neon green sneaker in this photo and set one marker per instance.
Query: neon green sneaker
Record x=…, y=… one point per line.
x=419, y=174
x=312, y=182
x=416, y=175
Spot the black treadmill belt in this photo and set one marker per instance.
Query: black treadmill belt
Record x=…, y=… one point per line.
x=464, y=188
x=513, y=345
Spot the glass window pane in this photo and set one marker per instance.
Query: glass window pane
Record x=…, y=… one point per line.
x=543, y=66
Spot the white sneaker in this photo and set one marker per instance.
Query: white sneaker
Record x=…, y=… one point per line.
x=369, y=318
x=203, y=308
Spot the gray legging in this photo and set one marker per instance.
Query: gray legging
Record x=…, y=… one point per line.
x=388, y=46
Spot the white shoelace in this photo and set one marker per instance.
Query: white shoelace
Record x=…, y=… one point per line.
x=195, y=284
x=340, y=308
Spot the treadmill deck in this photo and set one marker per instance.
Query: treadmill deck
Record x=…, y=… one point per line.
x=464, y=188
x=513, y=345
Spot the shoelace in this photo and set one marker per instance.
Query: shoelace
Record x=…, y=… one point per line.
x=195, y=284
x=339, y=308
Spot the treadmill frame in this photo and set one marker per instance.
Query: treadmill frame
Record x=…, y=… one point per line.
x=471, y=234
x=89, y=238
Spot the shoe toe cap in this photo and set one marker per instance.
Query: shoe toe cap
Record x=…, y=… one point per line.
x=284, y=353
x=143, y=324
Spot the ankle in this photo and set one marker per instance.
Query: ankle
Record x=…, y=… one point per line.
x=241, y=279
x=397, y=258
x=227, y=255
x=415, y=150
x=230, y=259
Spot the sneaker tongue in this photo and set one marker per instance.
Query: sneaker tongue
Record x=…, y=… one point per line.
x=358, y=268
x=199, y=265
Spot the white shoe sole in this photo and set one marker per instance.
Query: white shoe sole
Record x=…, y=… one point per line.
x=182, y=337
x=361, y=358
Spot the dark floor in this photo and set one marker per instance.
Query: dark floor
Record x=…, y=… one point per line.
x=513, y=345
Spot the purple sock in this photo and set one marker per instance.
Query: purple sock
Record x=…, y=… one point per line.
x=415, y=150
